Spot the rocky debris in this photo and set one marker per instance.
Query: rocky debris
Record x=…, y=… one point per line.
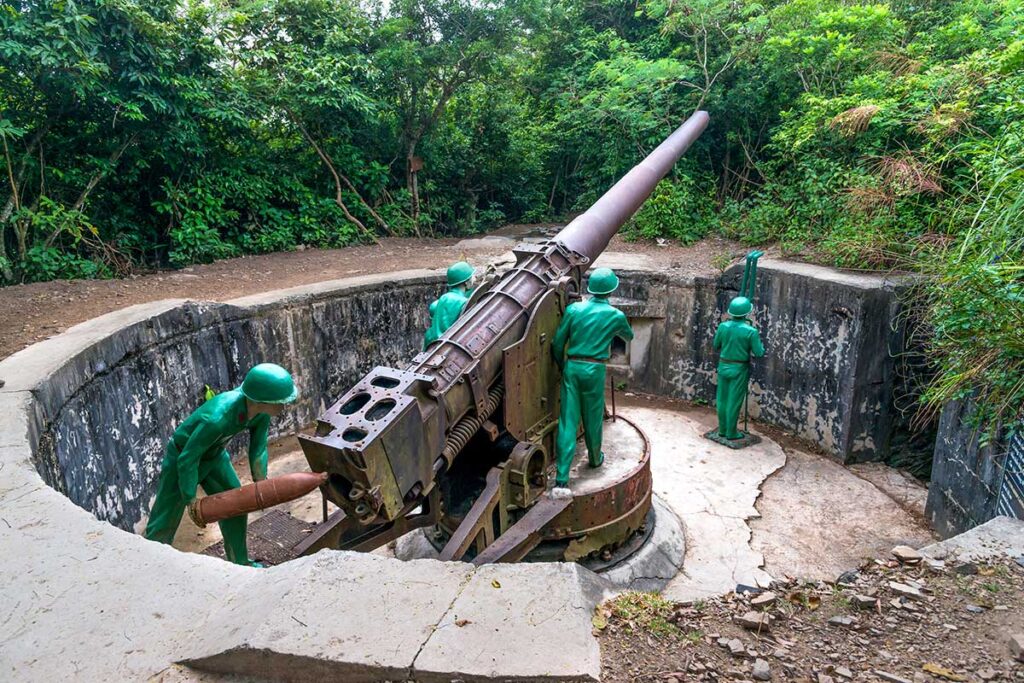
x=761, y=671
x=1016, y=642
x=906, y=590
x=906, y=554
x=842, y=620
x=754, y=621
x=887, y=621
x=861, y=601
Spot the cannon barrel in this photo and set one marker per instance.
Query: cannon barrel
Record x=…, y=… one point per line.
x=590, y=232
x=388, y=439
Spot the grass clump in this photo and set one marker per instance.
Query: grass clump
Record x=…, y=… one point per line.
x=647, y=612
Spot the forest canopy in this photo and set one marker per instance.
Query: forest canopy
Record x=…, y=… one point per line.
x=858, y=134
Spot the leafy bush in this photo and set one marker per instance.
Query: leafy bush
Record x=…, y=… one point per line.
x=677, y=210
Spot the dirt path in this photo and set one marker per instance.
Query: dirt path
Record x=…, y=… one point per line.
x=33, y=312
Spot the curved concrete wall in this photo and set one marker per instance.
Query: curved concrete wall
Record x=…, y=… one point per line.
x=106, y=415
x=85, y=600
x=114, y=406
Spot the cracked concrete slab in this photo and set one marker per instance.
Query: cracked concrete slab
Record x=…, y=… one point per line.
x=1001, y=536
x=712, y=489
x=656, y=562
x=819, y=518
x=908, y=492
x=482, y=636
x=351, y=616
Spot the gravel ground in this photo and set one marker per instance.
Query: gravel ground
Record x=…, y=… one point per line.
x=886, y=621
x=36, y=311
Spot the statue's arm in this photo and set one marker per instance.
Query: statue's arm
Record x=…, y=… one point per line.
x=258, y=435
x=203, y=437
x=717, y=343
x=625, y=329
x=756, y=347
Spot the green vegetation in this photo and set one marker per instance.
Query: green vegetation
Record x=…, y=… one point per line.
x=863, y=135
x=647, y=613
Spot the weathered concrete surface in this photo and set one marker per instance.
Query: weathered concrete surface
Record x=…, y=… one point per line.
x=819, y=519
x=491, y=609
x=346, y=616
x=658, y=561
x=998, y=537
x=907, y=491
x=966, y=475
x=712, y=489
x=830, y=372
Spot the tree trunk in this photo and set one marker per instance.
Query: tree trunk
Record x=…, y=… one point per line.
x=412, y=181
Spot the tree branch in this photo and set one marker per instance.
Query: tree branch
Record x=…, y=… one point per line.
x=337, y=177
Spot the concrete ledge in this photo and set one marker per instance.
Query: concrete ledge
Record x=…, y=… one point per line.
x=343, y=616
x=998, y=537
x=517, y=622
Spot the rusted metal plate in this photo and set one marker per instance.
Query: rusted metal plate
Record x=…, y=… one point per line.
x=627, y=497
x=531, y=376
x=271, y=538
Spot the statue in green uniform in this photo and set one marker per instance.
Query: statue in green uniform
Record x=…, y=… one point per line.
x=446, y=310
x=736, y=341
x=581, y=348
x=195, y=455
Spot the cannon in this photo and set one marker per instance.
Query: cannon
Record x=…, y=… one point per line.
x=461, y=440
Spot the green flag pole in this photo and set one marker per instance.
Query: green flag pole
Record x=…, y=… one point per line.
x=747, y=287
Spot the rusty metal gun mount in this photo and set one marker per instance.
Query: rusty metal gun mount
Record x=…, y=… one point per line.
x=461, y=440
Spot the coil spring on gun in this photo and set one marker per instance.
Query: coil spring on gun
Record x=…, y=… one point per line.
x=464, y=430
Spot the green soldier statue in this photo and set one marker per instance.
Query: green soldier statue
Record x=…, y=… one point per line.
x=195, y=455
x=737, y=341
x=446, y=310
x=581, y=347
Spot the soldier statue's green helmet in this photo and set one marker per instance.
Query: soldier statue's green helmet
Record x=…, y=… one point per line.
x=740, y=307
x=603, y=281
x=458, y=273
x=269, y=383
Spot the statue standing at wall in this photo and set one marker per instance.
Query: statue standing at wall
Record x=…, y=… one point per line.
x=195, y=455
x=581, y=347
x=736, y=341
x=446, y=310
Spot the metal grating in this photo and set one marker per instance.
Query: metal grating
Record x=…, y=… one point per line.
x=271, y=538
x=1011, y=489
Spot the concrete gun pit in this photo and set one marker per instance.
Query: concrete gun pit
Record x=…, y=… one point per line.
x=84, y=418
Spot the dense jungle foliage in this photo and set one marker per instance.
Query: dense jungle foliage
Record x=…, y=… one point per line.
x=865, y=135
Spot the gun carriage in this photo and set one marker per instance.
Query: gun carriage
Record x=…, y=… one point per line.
x=461, y=439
